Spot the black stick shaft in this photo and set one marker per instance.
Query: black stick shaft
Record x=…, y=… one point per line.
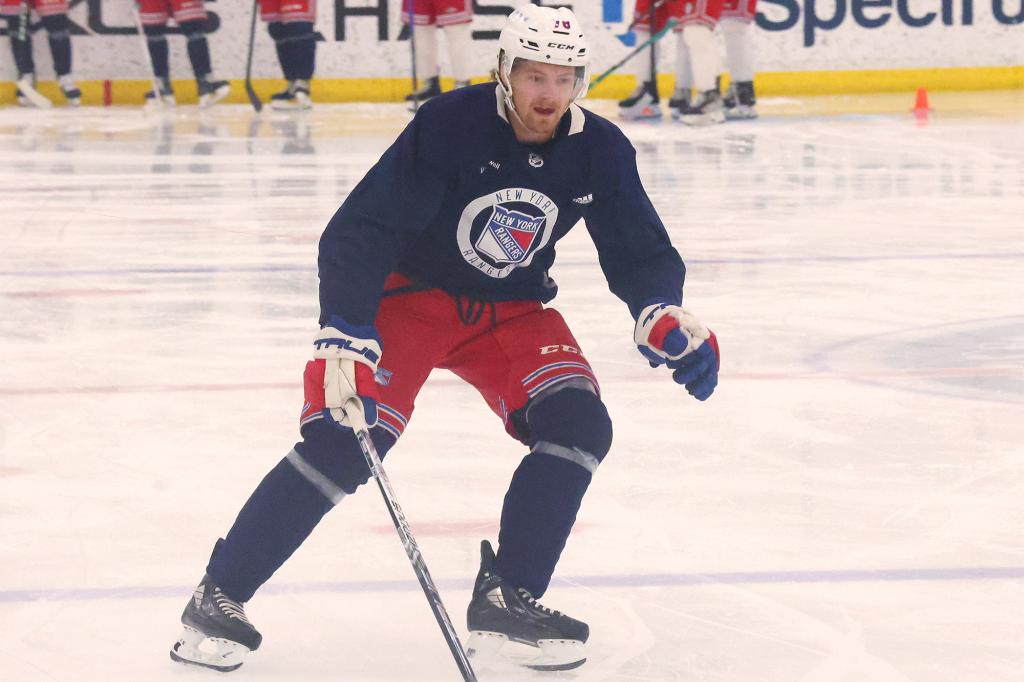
x=353, y=410
x=254, y=99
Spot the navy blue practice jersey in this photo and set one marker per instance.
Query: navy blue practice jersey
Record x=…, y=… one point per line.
x=459, y=204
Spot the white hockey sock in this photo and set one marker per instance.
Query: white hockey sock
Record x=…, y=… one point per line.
x=426, y=52
x=705, y=59
x=739, y=49
x=460, y=41
x=684, y=74
x=640, y=64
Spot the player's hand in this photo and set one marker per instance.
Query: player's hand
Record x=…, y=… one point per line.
x=669, y=335
x=350, y=354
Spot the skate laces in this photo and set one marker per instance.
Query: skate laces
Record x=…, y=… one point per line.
x=230, y=607
x=529, y=599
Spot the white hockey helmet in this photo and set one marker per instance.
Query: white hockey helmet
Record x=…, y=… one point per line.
x=543, y=34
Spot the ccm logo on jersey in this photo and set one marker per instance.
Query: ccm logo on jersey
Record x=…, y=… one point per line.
x=544, y=350
x=346, y=344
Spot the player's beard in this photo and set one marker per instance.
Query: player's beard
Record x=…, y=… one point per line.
x=539, y=124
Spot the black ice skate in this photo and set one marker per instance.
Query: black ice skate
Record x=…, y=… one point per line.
x=740, y=101
x=707, y=109
x=217, y=634
x=642, y=103
x=27, y=94
x=211, y=91
x=509, y=618
x=70, y=90
x=431, y=88
x=680, y=103
x=295, y=97
x=163, y=98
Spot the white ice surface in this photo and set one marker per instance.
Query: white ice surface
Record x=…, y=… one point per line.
x=848, y=506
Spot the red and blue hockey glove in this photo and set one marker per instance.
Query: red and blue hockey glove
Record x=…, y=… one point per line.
x=350, y=354
x=669, y=335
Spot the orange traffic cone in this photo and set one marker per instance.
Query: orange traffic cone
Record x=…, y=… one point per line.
x=921, y=102
x=921, y=108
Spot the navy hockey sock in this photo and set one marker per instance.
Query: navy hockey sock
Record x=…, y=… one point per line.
x=569, y=434
x=22, y=49
x=60, y=43
x=288, y=504
x=277, y=32
x=198, y=48
x=156, y=41
x=297, y=49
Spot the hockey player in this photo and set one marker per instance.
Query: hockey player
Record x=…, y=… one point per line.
x=190, y=15
x=439, y=258
x=429, y=16
x=738, y=29
x=697, y=62
x=290, y=24
x=54, y=16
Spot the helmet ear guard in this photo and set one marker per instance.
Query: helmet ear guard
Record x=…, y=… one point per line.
x=546, y=35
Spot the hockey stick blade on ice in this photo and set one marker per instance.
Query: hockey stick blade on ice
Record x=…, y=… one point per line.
x=354, y=413
x=254, y=99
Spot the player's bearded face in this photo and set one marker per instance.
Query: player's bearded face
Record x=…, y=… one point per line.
x=541, y=93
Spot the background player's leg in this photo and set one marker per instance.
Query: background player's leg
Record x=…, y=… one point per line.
x=427, y=70
x=460, y=43
x=60, y=49
x=739, y=50
x=644, y=100
x=156, y=42
x=705, y=60
x=296, y=50
x=21, y=46
x=209, y=88
x=680, y=102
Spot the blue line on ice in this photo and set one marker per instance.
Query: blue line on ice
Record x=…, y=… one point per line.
x=888, y=575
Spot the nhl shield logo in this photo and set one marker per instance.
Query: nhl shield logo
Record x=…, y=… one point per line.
x=503, y=230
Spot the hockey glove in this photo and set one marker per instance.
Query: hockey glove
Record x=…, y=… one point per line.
x=669, y=335
x=350, y=354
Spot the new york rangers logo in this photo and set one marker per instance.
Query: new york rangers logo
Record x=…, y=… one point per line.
x=503, y=230
x=508, y=235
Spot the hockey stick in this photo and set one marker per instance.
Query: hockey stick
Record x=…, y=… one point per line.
x=653, y=39
x=628, y=38
x=25, y=84
x=412, y=49
x=354, y=412
x=257, y=104
x=158, y=96
x=654, y=50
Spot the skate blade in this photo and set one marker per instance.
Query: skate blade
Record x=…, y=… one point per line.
x=740, y=114
x=549, y=655
x=703, y=119
x=645, y=114
x=195, y=648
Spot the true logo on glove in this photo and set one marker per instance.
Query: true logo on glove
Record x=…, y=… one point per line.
x=346, y=344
